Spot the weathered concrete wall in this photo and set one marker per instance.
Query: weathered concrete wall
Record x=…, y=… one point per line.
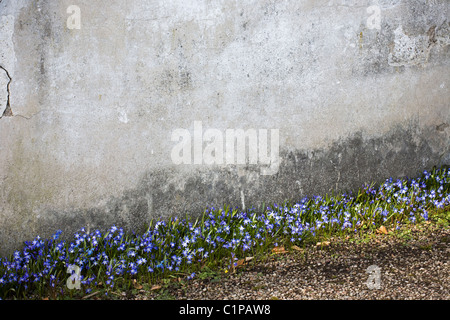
x=94, y=97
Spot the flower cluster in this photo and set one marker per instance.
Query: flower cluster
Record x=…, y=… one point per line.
x=115, y=258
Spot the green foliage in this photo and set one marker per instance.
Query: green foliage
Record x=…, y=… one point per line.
x=218, y=240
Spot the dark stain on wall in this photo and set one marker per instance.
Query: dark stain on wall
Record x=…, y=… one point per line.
x=344, y=167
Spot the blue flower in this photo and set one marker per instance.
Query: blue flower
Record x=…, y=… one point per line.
x=191, y=276
x=57, y=234
x=346, y=224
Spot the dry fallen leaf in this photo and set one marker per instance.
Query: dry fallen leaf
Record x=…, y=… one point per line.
x=241, y=262
x=136, y=285
x=156, y=287
x=297, y=248
x=325, y=243
x=382, y=229
x=278, y=250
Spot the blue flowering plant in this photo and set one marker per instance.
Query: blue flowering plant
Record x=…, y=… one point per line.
x=115, y=260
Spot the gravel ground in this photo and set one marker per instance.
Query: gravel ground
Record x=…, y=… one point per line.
x=412, y=265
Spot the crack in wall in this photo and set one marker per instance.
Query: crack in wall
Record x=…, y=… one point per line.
x=7, y=112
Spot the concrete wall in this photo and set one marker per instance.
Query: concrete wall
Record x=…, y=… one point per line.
x=104, y=104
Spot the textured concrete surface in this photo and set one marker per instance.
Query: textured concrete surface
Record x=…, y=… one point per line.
x=90, y=100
